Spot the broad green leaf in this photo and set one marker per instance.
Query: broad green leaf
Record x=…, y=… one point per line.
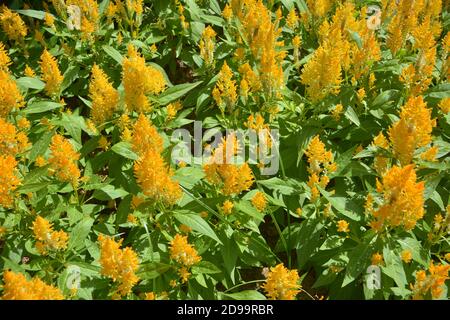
x=176, y=92
x=41, y=106
x=124, y=149
x=113, y=53
x=205, y=267
x=245, y=295
x=352, y=116
x=109, y=192
x=197, y=223
x=80, y=232
x=30, y=83
x=152, y=270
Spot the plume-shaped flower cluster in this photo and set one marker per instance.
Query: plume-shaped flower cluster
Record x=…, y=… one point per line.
x=50, y=74
x=17, y=287
x=104, y=97
x=12, y=24
x=63, y=160
x=140, y=80
x=118, y=264
x=185, y=254
x=9, y=181
x=12, y=141
x=282, y=283
x=432, y=282
x=48, y=240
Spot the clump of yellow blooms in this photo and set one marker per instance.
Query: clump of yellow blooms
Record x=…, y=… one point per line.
x=337, y=111
x=172, y=110
x=50, y=74
x=224, y=93
x=12, y=142
x=140, y=80
x=232, y=178
x=103, y=95
x=281, y=283
x=9, y=181
x=406, y=256
x=10, y=96
x=380, y=163
x=377, y=259
x=63, y=160
x=12, y=24
x=412, y=131
x=432, y=282
x=402, y=199
x=227, y=207
x=145, y=136
x=342, y=226
x=89, y=16
x=118, y=264
x=47, y=239
x=5, y=60
x=17, y=287
x=185, y=254
x=259, y=201
x=444, y=105
x=207, y=44
x=127, y=12
x=320, y=163
x=153, y=175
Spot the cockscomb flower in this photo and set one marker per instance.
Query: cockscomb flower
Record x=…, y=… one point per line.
x=224, y=93
x=227, y=207
x=432, y=282
x=5, y=61
x=412, y=131
x=50, y=74
x=145, y=136
x=380, y=163
x=84, y=16
x=403, y=199
x=103, y=95
x=17, y=287
x=227, y=12
x=47, y=239
x=259, y=201
x=322, y=73
x=10, y=96
x=377, y=259
x=140, y=80
x=444, y=105
x=342, y=226
x=12, y=24
x=118, y=264
x=232, y=178
x=320, y=164
x=281, y=283
x=183, y=252
x=406, y=256
x=155, y=178
x=207, y=44
x=63, y=160
x=12, y=142
x=8, y=180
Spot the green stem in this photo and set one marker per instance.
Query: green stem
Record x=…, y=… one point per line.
x=243, y=284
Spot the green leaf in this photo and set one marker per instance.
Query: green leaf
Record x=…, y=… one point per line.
x=351, y=115
x=40, y=146
x=80, y=232
x=205, y=267
x=197, y=223
x=41, y=106
x=32, y=187
x=359, y=259
x=109, y=192
x=32, y=13
x=152, y=270
x=113, y=53
x=176, y=92
x=30, y=83
x=339, y=203
x=245, y=295
x=124, y=149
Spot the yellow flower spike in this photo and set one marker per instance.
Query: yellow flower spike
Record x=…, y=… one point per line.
x=17, y=287
x=140, y=80
x=227, y=207
x=259, y=201
x=9, y=181
x=103, y=95
x=46, y=238
x=207, y=45
x=342, y=226
x=281, y=283
x=406, y=256
x=403, y=199
x=183, y=252
x=12, y=142
x=432, y=282
x=224, y=93
x=63, y=159
x=12, y=24
x=377, y=259
x=50, y=74
x=10, y=96
x=5, y=60
x=227, y=12
x=118, y=264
